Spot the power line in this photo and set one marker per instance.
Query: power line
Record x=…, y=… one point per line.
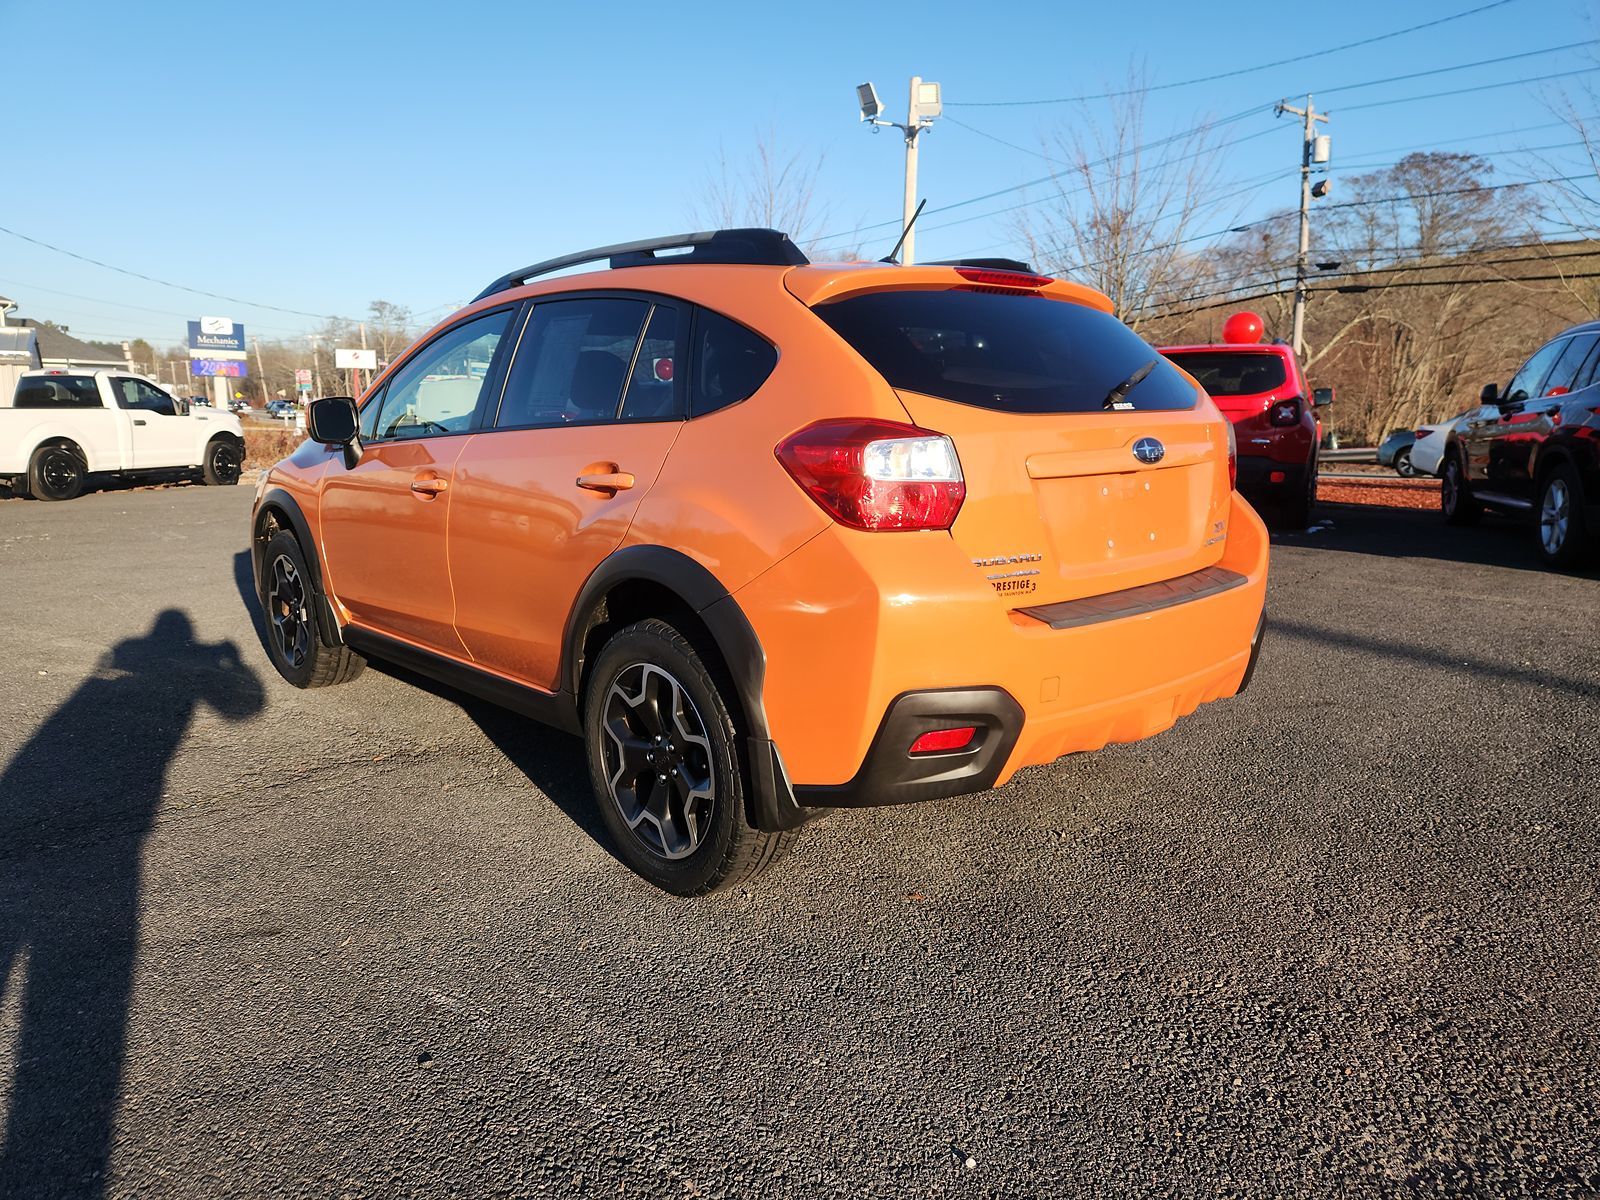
x=1485, y=62
x=168, y=283
x=1018, y=187
x=1482, y=87
x=1282, y=62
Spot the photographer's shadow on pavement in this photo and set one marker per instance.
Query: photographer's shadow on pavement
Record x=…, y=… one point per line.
x=76, y=803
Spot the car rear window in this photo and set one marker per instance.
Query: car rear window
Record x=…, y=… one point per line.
x=57, y=391
x=1232, y=373
x=1010, y=353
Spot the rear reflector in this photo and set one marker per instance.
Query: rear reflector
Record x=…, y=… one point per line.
x=877, y=475
x=939, y=741
x=1002, y=279
x=1276, y=477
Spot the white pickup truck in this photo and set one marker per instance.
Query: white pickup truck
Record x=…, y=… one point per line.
x=61, y=427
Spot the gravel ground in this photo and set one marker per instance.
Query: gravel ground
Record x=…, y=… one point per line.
x=1336, y=937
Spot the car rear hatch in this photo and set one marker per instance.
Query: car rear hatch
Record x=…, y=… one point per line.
x=1243, y=381
x=1091, y=465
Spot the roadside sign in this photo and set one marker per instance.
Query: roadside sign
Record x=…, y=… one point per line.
x=232, y=368
x=302, y=378
x=216, y=337
x=355, y=360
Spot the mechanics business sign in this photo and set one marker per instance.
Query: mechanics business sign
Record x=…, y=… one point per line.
x=216, y=337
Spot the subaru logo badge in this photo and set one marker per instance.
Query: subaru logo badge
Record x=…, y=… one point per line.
x=1148, y=450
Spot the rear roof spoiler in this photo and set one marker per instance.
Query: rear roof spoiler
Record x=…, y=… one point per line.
x=986, y=264
x=751, y=247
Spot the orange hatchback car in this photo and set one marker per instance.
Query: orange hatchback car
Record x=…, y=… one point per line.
x=775, y=536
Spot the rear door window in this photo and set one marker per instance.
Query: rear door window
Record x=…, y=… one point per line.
x=653, y=386
x=1019, y=354
x=572, y=362
x=729, y=363
x=57, y=391
x=1233, y=373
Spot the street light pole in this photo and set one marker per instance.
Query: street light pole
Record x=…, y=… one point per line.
x=923, y=104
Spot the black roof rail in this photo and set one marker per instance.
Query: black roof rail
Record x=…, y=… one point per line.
x=987, y=264
x=755, y=247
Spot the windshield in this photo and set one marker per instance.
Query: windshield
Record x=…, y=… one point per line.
x=1232, y=373
x=1011, y=353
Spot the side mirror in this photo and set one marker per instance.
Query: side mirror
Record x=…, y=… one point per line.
x=332, y=420
x=1490, y=394
x=1321, y=397
x=180, y=406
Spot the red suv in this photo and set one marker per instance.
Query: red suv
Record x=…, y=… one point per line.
x=1261, y=389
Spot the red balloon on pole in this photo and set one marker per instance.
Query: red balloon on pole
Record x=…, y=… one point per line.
x=1243, y=329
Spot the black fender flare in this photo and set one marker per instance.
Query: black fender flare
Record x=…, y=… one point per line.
x=772, y=805
x=279, y=502
x=701, y=592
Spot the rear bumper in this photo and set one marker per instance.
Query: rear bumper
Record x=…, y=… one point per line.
x=1260, y=476
x=852, y=664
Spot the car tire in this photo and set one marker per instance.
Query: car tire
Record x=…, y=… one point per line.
x=57, y=472
x=288, y=605
x=1402, y=465
x=1455, y=497
x=664, y=757
x=1564, y=538
x=223, y=462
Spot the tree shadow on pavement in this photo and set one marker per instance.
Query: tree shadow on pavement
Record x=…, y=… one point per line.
x=1419, y=533
x=76, y=803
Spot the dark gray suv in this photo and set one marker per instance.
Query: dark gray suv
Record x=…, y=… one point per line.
x=1533, y=449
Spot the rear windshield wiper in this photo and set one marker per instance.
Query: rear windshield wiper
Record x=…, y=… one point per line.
x=1117, y=397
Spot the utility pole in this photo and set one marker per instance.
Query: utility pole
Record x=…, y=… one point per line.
x=923, y=104
x=316, y=378
x=1313, y=149
x=261, y=370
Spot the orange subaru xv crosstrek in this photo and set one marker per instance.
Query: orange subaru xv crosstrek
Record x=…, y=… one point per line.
x=775, y=536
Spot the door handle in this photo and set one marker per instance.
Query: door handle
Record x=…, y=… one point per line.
x=429, y=487
x=610, y=482
x=138, y=421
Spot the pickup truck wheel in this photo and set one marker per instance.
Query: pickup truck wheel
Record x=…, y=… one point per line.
x=293, y=644
x=1455, y=498
x=663, y=750
x=224, y=458
x=56, y=472
x=1564, y=541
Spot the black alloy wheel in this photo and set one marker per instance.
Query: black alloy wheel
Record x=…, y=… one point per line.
x=289, y=613
x=658, y=761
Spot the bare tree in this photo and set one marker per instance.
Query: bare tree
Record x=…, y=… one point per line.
x=769, y=188
x=1121, y=207
x=388, y=328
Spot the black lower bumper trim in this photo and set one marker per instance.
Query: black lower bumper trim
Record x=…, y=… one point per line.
x=1255, y=653
x=891, y=775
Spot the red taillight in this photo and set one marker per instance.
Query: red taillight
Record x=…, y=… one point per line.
x=941, y=741
x=1419, y=434
x=1004, y=279
x=1284, y=412
x=1233, y=455
x=877, y=475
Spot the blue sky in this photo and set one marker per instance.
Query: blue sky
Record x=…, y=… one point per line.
x=318, y=156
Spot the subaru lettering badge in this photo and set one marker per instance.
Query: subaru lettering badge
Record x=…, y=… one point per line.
x=1148, y=450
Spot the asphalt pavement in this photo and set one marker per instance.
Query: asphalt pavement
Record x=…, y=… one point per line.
x=1337, y=937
